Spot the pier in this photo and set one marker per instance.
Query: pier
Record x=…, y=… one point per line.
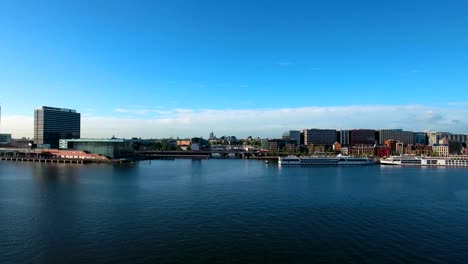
x=46, y=160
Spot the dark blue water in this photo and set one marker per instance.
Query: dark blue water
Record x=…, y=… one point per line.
x=231, y=211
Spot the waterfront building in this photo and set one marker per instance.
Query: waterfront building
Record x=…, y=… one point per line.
x=418, y=150
x=296, y=136
x=395, y=148
x=337, y=147
x=344, y=138
x=183, y=143
x=198, y=143
x=435, y=137
x=462, y=138
x=281, y=145
x=441, y=149
x=344, y=150
x=264, y=145
x=52, y=124
x=382, y=151
x=290, y=147
x=316, y=149
x=399, y=146
x=419, y=138
x=362, y=137
x=454, y=147
x=319, y=136
x=406, y=137
x=72, y=154
x=5, y=139
x=273, y=145
x=362, y=150
x=111, y=148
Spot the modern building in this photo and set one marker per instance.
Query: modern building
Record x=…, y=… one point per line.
x=454, y=147
x=319, y=136
x=406, y=137
x=296, y=136
x=344, y=137
x=435, y=137
x=5, y=139
x=462, y=138
x=198, y=143
x=52, y=124
x=419, y=138
x=362, y=137
x=279, y=145
x=112, y=148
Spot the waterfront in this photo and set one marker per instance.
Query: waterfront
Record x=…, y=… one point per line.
x=231, y=211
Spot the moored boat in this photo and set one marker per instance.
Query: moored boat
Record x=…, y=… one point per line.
x=449, y=161
x=322, y=160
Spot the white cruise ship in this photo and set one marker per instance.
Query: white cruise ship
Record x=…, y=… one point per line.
x=450, y=161
x=331, y=161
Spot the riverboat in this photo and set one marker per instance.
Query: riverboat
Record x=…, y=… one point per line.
x=322, y=160
x=449, y=161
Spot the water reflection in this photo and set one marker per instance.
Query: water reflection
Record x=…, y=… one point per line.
x=57, y=207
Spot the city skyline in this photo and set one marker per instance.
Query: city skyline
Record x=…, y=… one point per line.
x=163, y=69
x=188, y=124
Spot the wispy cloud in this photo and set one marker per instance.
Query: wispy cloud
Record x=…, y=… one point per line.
x=415, y=71
x=315, y=69
x=141, y=111
x=257, y=122
x=458, y=103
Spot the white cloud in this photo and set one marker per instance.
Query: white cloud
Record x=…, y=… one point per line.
x=18, y=125
x=458, y=103
x=257, y=122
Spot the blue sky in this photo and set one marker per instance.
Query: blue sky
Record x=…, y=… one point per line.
x=160, y=64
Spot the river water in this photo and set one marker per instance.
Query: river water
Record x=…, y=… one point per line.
x=231, y=211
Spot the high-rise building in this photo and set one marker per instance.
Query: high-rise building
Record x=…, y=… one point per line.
x=52, y=124
x=296, y=136
x=319, y=136
x=344, y=138
x=362, y=136
x=406, y=137
x=419, y=138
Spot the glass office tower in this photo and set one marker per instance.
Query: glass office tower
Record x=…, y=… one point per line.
x=52, y=124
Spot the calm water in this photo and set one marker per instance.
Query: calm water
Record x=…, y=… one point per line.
x=231, y=211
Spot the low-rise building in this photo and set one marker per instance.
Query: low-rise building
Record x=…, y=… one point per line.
x=362, y=150
x=441, y=149
x=72, y=154
x=418, y=150
x=5, y=139
x=112, y=148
